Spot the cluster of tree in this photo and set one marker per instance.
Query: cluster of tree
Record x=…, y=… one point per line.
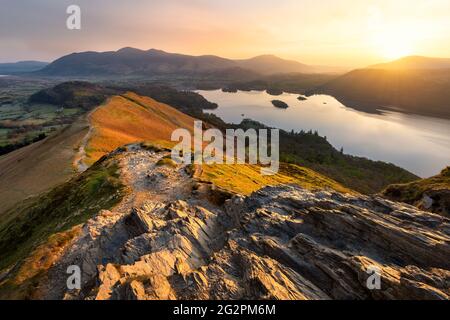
x=72, y=94
x=14, y=146
x=277, y=84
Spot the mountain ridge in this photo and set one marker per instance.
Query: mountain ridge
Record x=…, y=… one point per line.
x=415, y=91
x=11, y=68
x=132, y=61
x=414, y=63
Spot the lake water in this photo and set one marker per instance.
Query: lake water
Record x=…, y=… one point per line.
x=416, y=143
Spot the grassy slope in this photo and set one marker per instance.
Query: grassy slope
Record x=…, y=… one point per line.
x=437, y=187
x=40, y=166
x=36, y=231
x=308, y=149
x=246, y=178
x=132, y=118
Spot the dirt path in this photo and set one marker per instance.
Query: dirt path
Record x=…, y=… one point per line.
x=148, y=180
x=78, y=161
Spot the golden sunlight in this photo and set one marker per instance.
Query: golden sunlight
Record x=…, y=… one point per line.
x=393, y=44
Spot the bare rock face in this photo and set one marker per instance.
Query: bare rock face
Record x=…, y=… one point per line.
x=281, y=242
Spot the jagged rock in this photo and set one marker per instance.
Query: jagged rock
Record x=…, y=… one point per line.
x=153, y=288
x=282, y=242
x=108, y=277
x=139, y=222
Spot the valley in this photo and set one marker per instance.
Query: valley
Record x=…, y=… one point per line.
x=100, y=190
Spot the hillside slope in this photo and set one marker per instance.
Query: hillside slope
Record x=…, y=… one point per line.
x=424, y=92
x=431, y=194
x=40, y=166
x=21, y=67
x=172, y=237
x=132, y=118
x=415, y=63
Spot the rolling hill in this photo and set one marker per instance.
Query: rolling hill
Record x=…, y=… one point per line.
x=21, y=67
x=136, y=62
x=144, y=227
x=132, y=118
x=304, y=149
x=140, y=230
x=415, y=63
x=432, y=194
x=40, y=166
x=411, y=85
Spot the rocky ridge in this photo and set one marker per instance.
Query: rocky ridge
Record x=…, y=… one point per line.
x=177, y=238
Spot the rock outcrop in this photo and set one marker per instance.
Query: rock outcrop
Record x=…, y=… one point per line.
x=430, y=194
x=168, y=240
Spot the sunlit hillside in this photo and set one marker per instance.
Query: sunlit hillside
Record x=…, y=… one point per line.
x=246, y=178
x=132, y=118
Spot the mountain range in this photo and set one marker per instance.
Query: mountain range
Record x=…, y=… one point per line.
x=135, y=62
x=415, y=63
x=21, y=66
x=414, y=84
x=418, y=85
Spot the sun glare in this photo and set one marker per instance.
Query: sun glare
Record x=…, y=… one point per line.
x=394, y=44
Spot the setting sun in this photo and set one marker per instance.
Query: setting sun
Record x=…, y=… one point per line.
x=394, y=47
x=393, y=42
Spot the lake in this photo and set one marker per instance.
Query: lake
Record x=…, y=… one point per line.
x=416, y=143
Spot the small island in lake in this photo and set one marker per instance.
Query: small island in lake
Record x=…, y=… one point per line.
x=301, y=98
x=280, y=104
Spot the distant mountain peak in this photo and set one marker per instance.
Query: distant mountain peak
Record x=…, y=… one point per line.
x=129, y=50
x=153, y=50
x=21, y=66
x=414, y=62
x=132, y=61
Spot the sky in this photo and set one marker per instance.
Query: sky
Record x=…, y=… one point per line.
x=351, y=33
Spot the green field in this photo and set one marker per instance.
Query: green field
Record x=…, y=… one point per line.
x=21, y=121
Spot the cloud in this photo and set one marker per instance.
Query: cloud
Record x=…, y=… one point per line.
x=313, y=31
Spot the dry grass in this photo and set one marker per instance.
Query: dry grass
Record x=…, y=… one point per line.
x=40, y=166
x=31, y=274
x=131, y=118
x=166, y=162
x=245, y=178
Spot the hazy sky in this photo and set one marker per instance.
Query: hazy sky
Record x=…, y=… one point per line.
x=327, y=32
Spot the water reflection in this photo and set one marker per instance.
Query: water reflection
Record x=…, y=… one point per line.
x=419, y=144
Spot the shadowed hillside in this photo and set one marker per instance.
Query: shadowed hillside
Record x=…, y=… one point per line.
x=136, y=62
x=415, y=63
x=39, y=228
x=21, y=67
x=432, y=194
x=425, y=92
x=72, y=94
